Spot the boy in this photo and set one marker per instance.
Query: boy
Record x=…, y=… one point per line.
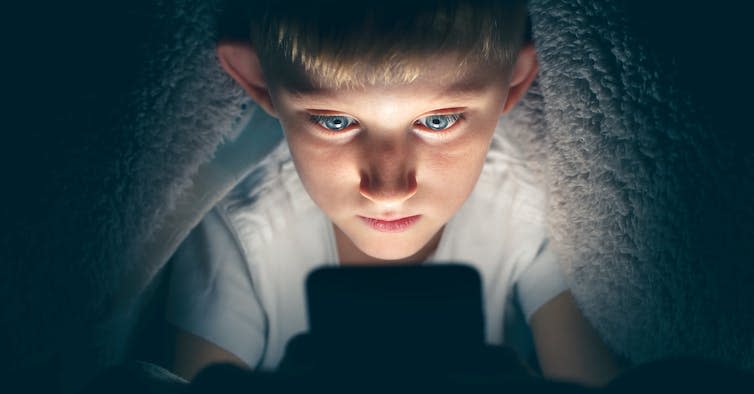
x=392, y=156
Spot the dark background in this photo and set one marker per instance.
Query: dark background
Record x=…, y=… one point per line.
x=710, y=45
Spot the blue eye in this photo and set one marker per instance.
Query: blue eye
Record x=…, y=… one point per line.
x=333, y=123
x=439, y=122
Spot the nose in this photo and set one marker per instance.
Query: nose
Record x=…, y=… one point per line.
x=388, y=176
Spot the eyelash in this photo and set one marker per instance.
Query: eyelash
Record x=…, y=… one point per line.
x=317, y=120
x=456, y=118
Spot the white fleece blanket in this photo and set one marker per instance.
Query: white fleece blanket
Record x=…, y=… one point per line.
x=650, y=212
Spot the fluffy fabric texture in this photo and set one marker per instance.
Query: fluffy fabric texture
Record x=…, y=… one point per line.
x=648, y=213
x=649, y=209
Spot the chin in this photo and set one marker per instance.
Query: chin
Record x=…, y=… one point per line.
x=392, y=256
x=391, y=252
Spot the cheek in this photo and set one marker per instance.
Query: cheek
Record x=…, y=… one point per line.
x=325, y=173
x=452, y=171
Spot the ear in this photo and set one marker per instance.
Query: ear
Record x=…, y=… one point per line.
x=239, y=59
x=522, y=75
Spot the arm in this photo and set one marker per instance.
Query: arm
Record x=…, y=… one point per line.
x=568, y=347
x=193, y=353
x=211, y=305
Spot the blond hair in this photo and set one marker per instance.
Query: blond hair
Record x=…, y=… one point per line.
x=338, y=43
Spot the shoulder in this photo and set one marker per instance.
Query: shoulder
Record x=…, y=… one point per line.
x=273, y=220
x=511, y=185
x=268, y=201
x=266, y=181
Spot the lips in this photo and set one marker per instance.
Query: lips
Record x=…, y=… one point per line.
x=391, y=226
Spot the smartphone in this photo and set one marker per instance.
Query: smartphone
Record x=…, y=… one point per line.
x=396, y=304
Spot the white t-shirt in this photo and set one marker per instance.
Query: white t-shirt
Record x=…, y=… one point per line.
x=238, y=280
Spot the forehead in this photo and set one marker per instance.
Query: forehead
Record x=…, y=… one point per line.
x=440, y=79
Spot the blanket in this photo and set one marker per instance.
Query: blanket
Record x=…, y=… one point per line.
x=650, y=199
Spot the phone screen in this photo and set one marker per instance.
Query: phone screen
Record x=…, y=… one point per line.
x=397, y=304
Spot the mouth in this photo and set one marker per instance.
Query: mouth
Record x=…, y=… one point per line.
x=391, y=226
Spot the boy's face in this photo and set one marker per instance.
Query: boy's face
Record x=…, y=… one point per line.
x=390, y=165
